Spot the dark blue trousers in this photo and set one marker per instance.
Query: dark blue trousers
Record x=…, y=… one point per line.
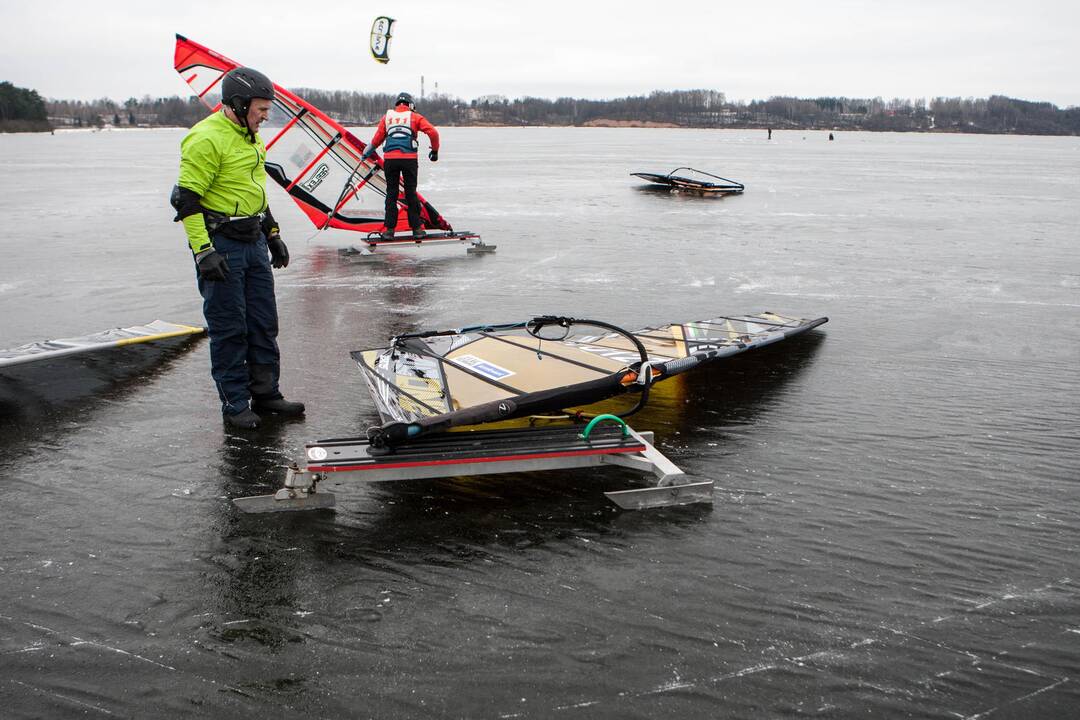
x=242, y=322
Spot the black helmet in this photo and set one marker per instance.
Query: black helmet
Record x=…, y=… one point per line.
x=242, y=85
x=245, y=84
x=404, y=97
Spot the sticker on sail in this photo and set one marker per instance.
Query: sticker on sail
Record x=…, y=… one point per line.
x=320, y=174
x=483, y=367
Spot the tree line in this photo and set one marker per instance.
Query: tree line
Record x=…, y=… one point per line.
x=21, y=110
x=134, y=112
x=679, y=108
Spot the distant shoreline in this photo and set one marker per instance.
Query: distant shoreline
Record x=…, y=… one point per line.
x=591, y=125
x=698, y=109
x=24, y=126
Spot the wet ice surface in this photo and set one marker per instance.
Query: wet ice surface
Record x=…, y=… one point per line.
x=896, y=523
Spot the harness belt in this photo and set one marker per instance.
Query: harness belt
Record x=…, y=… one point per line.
x=237, y=227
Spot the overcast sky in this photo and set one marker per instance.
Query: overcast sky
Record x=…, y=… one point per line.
x=749, y=50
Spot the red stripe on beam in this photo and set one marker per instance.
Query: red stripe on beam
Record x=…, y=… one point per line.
x=463, y=461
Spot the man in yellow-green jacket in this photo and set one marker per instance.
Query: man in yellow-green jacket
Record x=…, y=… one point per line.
x=221, y=200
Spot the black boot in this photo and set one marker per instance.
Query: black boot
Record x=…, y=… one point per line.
x=419, y=233
x=244, y=420
x=387, y=234
x=278, y=406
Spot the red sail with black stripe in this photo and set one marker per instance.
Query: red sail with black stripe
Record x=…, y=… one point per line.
x=308, y=153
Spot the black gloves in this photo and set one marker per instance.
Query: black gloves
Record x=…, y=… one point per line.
x=433, y=156
x=279, y=254
x=212, y=265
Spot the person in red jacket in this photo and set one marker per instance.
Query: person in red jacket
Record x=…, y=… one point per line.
x=400, y=128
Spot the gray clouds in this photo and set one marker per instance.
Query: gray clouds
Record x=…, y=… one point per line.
x=69, y=49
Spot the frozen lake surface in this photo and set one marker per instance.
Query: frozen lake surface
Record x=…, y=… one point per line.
x=897, y=516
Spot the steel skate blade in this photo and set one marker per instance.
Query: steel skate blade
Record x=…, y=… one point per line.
x=664, y=496
x=285, y=500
